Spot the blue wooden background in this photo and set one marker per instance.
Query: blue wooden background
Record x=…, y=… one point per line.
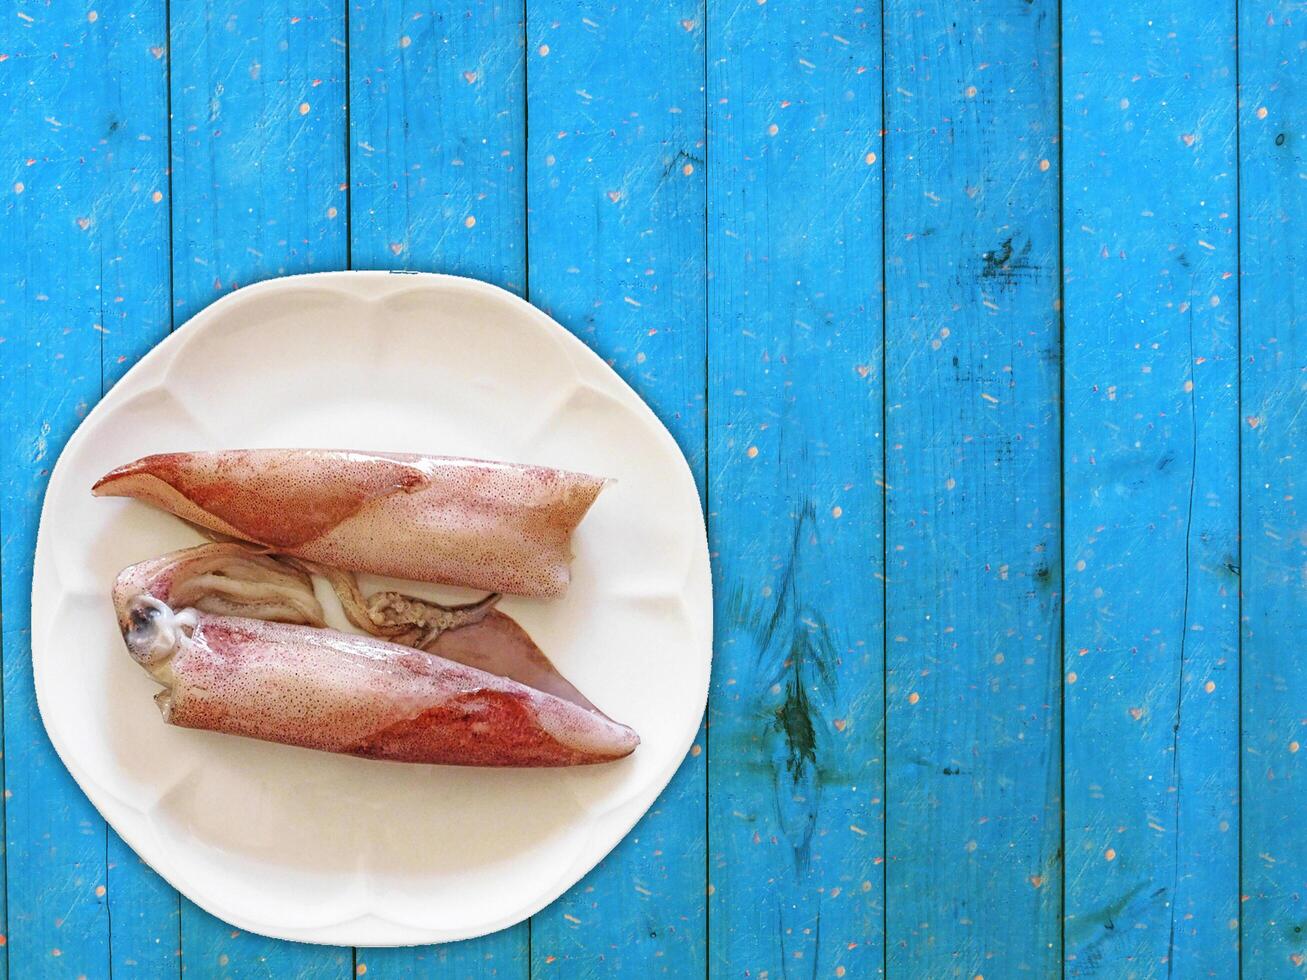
x=978, y=321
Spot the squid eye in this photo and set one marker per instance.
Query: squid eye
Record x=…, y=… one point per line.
x=152, y=631
x=142, y=617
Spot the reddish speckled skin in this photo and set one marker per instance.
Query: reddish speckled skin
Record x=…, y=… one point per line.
x=340, y=692
x=501, y=527
x=358, y=695
x=322, y=689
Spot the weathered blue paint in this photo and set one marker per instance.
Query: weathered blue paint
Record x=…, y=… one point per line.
x=795, y=518
x=144, y=914
x=258, y=144
x=1151, y=505
x=438, y=183
x=973, y=873
x=437, y=137
x=214, y=950
x=258, y=177
x=501, y=956
x=616, y=242
x=1273, y=158
x=84, y=292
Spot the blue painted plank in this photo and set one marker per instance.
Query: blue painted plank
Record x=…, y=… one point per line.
x=1273, y=159
x=437, y=139
x=494, y=957
x=214, y=950
x=84, y=162
x=144, y=913
x=973, y=607
x=437, y=151
x=1151, y=644
x=795, y=510
x=258, y=177
x=616, y=240
x=258, y=145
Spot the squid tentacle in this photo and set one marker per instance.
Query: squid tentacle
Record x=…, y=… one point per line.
x=399, y=617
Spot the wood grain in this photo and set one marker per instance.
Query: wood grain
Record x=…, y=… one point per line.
x=1152, y=664
x=1273, y=426
x=258, y=177
x=795, y=519
x=438, y=183
x=437, y=139
x=974, y=583
x=84, y=158
x=616, y=239
x=258, y=145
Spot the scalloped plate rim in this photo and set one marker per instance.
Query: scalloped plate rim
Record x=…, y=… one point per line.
x=369, y=928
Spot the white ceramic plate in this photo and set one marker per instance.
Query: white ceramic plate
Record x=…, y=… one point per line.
x=321, y=848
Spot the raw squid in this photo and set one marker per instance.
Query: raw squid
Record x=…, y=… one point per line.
x=501, y=527
x=237, y=638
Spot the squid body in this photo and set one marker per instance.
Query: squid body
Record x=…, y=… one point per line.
x=236, y=637
x=501, y=527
